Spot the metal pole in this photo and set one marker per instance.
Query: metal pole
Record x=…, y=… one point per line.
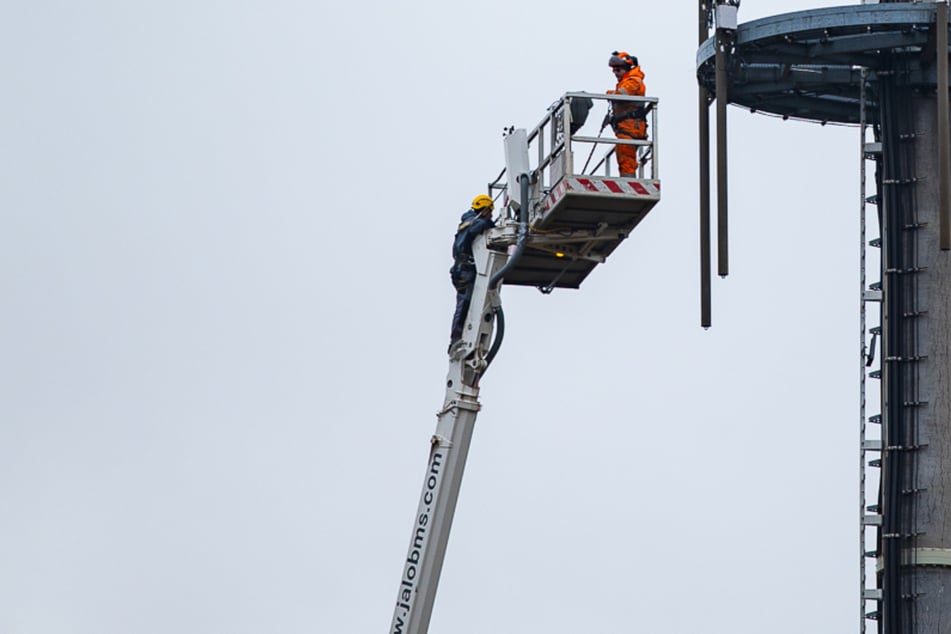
x=944, y=152
x=704, y=129
x=723, y=266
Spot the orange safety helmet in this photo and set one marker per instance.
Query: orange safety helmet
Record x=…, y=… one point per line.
x=622, y=59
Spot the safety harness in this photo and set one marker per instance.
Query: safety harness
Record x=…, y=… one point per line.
x=639, y=114
x=462, y=259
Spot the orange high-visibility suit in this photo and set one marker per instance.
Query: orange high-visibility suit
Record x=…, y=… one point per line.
x=625, y=126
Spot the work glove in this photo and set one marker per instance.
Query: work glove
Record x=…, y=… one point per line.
x=607, y=121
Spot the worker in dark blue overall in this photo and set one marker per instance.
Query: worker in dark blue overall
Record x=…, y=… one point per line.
x=463, y=271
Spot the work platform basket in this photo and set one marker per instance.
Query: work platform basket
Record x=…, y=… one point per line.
x=579, y=210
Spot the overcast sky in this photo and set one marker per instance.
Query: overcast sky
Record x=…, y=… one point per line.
x=224, y=249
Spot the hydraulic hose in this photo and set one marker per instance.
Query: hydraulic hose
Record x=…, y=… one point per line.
x=522, y=234
x=499, y=335
x=494, y=282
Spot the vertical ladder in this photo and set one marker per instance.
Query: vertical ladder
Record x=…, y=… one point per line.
x=870, y=439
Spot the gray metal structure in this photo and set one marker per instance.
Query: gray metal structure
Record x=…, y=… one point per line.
x=883, y=67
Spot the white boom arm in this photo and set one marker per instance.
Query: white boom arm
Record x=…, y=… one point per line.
x=448, y=451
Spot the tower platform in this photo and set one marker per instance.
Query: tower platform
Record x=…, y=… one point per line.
x=808, y=64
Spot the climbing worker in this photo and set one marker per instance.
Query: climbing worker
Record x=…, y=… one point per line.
x=463, y=271
x=628, y=119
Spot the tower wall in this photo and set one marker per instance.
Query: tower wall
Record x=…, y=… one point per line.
x=929, y=508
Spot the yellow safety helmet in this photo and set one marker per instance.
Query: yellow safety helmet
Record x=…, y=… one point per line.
x=482, y=201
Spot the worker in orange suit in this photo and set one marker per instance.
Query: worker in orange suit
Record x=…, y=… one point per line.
x=627, y=119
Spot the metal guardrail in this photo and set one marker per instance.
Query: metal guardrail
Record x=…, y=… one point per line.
x=556, y=151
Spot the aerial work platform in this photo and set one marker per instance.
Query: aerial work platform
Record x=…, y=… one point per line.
x=558, y=223
x=578, y=216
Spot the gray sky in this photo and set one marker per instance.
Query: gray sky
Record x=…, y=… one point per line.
x=224, y=245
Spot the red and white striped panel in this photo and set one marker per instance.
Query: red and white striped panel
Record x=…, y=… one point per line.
x=622, y=186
